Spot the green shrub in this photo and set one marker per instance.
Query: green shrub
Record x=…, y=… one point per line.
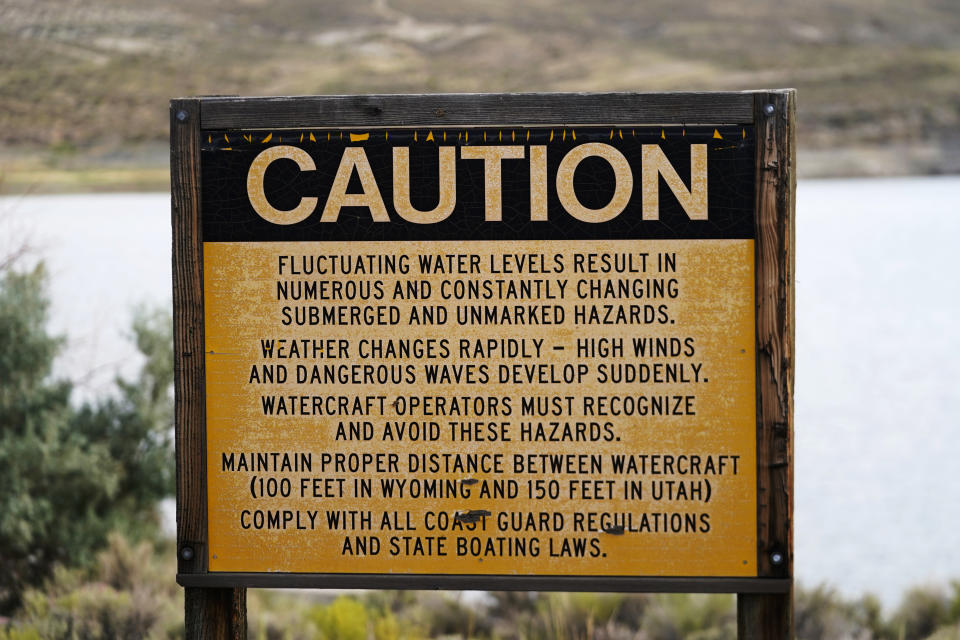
x=386, y=627
x=343, y=619
x=130, y=594
x=71, y=476
x=922, y=611
x=681, y=616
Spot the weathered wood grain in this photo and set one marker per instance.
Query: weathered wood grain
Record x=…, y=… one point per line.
x=771, y=616
x=219, y=614
x=188, y=333
x=765, y=616
x=209, y=613
x=477, y=109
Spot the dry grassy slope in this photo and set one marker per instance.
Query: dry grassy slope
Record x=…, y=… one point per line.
x=95, y=75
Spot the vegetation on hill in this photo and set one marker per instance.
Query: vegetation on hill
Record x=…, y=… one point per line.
x=85, y=84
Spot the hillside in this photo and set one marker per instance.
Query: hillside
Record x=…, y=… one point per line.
x=84, y=84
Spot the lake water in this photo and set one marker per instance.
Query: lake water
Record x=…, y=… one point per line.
x=878, y=356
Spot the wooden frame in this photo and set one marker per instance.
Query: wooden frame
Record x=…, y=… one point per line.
x=776, y=184
x=772, y=113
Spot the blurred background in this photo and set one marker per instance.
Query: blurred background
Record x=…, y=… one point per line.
x=82, y=79
x=84, y=91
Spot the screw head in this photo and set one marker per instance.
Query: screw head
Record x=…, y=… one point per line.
x=769, y=109
x=186, y=553
x=776, y=558
x=182, y=115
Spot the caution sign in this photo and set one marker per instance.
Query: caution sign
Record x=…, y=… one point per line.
x=529, y=341
x=486, y=350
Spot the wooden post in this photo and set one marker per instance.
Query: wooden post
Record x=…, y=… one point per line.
x=770, y=616
x=209, y=613
x=765, y=616
x=220, y=614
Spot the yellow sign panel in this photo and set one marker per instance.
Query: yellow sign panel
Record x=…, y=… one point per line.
x=499, y=407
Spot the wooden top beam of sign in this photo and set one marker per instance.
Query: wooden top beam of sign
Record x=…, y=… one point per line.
x=475, y=109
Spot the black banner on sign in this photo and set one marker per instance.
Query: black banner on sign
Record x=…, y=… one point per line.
x=590, y=183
